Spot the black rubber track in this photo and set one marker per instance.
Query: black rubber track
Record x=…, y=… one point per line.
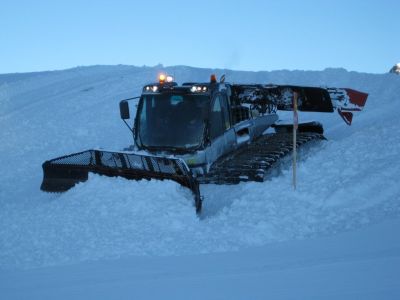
x=253, y=161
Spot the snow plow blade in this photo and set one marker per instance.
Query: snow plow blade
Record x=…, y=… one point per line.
x=62, y=173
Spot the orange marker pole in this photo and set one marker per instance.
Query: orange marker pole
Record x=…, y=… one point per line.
x=295, y=126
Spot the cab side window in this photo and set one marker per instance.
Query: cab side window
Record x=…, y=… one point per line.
x=225, y=111
x=217, y=123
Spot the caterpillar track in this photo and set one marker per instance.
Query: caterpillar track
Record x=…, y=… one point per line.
x=254, y=161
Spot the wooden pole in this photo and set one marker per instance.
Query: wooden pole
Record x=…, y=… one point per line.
x=295, y=126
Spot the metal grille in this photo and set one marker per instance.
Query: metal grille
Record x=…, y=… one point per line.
x=62, y=173
x=123, y=161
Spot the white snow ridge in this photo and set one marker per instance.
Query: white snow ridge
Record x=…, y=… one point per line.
x=395, y=69
x=335, y=237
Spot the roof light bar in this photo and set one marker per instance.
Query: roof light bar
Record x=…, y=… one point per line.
x=198, y=89
x=151, y=88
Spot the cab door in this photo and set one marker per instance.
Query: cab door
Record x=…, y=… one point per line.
x=222, y=134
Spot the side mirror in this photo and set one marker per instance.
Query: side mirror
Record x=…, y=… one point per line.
x=124, y=110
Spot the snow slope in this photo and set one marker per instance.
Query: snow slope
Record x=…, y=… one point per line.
x=346, y=185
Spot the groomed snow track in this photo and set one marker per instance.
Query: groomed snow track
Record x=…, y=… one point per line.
x=253, y=161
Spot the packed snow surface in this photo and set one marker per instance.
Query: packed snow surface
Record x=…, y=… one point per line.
x=345, y=183
x=360, y=264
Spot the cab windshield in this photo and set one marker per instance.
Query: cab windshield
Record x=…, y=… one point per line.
x=172, y=121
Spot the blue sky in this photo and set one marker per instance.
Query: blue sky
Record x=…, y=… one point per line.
x=242, y=35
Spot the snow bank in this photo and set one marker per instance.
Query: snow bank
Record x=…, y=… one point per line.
x=348, y=182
